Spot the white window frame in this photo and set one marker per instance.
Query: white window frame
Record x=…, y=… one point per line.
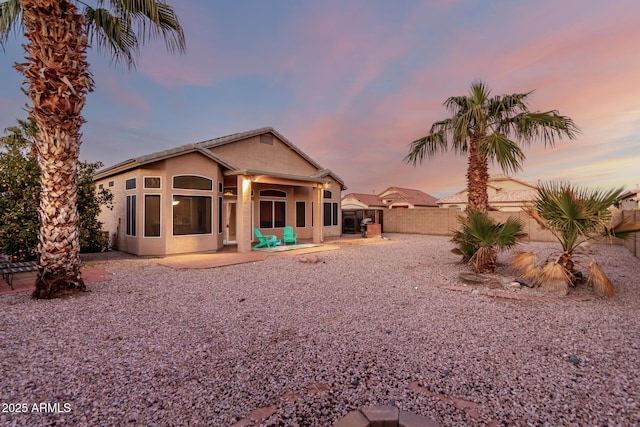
x=212, y=202
x=144, y=215
x=131, y=215
x=213, y=183
x=144, y=182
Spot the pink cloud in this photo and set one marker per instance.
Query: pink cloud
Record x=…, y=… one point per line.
x=124, y=95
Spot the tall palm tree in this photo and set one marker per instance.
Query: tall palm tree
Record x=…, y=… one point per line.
x=57, y=80
x=489, y=129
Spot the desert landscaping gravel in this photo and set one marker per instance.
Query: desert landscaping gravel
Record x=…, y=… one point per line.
x=286, y=343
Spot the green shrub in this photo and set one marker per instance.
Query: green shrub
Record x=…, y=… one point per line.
x=480, y=239
x=20, y=192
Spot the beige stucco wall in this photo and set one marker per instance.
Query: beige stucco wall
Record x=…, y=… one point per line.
x=436, y=221
x=352, y=203
x=441, y=222
x=253, y=154
x=114, y=220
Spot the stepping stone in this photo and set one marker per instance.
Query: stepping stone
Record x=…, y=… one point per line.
x=352, y=419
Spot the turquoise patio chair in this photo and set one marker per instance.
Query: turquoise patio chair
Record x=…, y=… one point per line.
x=288, y=236
x=268, y=240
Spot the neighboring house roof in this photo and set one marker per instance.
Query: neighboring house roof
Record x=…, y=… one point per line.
x=631, y=193
x=366, y=199
x=394, y=195
x=408, y=195
x=495, y=179
x=527, y=194
x=203, y=148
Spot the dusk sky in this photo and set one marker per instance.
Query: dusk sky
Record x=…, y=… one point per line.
x=352, y=83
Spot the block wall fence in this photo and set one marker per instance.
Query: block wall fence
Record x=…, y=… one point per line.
x=440, y=222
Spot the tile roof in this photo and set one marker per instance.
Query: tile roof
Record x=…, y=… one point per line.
x=409, y=195
x=367, y=199
x=525, y=195
x=203, y=148
x=395, y=195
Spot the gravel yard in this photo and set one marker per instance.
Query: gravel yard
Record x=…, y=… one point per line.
x=302, y=344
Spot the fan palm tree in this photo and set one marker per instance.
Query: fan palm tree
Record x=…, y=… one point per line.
x=57, y=80
x=480, y=239
x=489, y=129
x=574, y=216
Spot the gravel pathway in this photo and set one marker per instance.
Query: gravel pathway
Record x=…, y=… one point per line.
x=302, y=344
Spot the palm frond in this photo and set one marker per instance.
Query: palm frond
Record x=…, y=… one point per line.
x=509, y=233
x=505, y=151
x=600, y=282
x=429, y=145
x=533, y=213
x=524, y=264
x=553, y=278
x=503, y=107
x=111, y=33
x=10, y=19
x=130, y=23
x=546, y=126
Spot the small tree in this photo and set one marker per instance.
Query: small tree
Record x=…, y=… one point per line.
x=574, y=216
x=20, y=192
x=481, y=238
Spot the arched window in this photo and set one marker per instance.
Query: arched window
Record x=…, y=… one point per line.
x=273, y=193
x=192, y=182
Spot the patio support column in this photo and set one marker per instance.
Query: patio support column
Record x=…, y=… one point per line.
x=317, y=214
x=243, y=214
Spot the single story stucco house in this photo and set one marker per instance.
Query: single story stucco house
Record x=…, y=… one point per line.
x=357, y=206
x=505, y=194
x=630, y=199
x=200, y=197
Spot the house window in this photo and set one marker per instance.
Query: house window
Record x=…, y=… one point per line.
x=220, y=223
x=191, y=215
x=220, y=188
x=130, y=220
x=192, y=182
x=151, y=215
x=151, y=182
x=301, y=214
x=111, y=183
x=272, y=214
x=130, y=184
x=330, y=213
x=100, y=186
x=327, y=194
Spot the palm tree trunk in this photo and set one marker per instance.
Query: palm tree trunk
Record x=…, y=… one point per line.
x=57, y=81
x=477, y=177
